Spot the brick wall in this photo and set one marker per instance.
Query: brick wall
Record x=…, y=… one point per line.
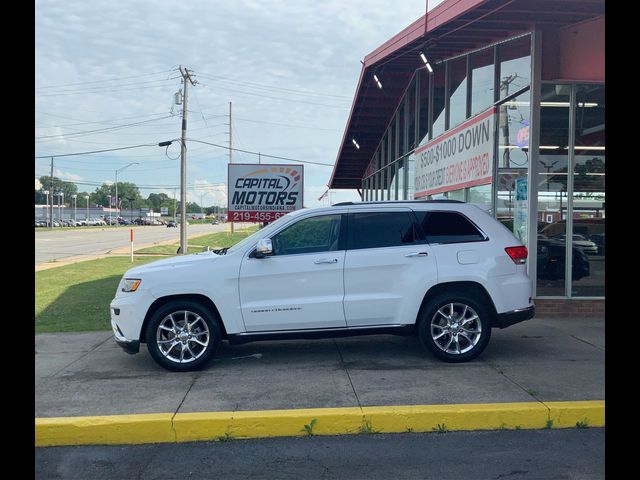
x=550, y=307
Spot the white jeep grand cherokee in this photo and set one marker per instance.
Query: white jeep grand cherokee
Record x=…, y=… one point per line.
x=444, y=270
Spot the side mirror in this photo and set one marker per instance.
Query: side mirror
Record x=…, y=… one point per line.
x=264, y=248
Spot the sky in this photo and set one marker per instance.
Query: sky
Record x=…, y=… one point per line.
x=106, y=72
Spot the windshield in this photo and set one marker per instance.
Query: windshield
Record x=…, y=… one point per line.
x=262, y=232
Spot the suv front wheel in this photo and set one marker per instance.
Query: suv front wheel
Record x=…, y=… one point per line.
x=455, y=327
x=182, y=335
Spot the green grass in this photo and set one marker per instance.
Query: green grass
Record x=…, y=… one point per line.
x=76, y=297
x=195, y=244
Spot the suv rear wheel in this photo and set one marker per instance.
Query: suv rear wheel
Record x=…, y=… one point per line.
x=455, y=327
x=182, y=335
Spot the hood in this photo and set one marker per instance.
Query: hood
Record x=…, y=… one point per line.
x=173, y=262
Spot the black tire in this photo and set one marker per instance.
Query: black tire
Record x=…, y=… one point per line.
x=160, y=339
x=432, y=323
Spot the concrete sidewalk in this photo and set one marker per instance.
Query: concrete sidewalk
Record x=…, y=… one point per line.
x=542, y=360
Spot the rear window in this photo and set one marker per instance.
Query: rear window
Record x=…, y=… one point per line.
x=448, y=227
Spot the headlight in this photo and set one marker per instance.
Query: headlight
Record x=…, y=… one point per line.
x=130, y=284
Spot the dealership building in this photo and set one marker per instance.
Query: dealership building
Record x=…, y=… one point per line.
x=498, y=103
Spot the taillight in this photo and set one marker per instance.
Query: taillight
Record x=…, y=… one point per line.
x=517, y=254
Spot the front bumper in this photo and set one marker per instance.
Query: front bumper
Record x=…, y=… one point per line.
x=504, y=320
x=130, y=346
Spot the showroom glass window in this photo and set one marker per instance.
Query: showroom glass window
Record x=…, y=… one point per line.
x=457, y=91
x=483, y=71
x=515, y=65
x=423, y=119
x=589, y=190
x=552, y=189
x=439, y=93
x=513, y=161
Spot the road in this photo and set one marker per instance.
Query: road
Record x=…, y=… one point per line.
x=515, y=454
x=64, y=244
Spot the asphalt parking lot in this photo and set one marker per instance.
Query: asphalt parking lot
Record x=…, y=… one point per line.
x=544, y=359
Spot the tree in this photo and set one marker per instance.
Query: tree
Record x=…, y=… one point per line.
x=158, y=200
x=68, y=188
x=125, y=190
x=193, y=207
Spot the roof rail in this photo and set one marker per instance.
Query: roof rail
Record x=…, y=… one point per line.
x=384, y=202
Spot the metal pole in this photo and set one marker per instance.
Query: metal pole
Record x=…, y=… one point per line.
x=87, y=199
x=51, y=189
x=183, y=166
x=117, y=210
x=230, y=151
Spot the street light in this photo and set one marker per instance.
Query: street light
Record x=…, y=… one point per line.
x=86, y=197
x=46, y=210
x=60, y=212
x=119, y=170
x=183, y=185
x=74, y=196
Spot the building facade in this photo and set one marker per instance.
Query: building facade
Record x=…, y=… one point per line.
x=499, y=103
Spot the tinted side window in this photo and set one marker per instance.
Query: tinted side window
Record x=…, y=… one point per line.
x=381, y=229
x=448, y=227
x=315, y=234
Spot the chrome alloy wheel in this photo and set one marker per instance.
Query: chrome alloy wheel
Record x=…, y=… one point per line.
x=182, y=336
x=455, y=328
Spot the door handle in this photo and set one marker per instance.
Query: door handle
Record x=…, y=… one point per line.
x=326, y=260
x=417, y=254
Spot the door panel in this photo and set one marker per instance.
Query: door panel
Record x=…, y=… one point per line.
x=292, y=292
x=388, y=268
x=300, y=286
x=384, y=286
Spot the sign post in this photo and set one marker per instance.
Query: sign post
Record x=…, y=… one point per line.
x=263, y=192
x=131, y=237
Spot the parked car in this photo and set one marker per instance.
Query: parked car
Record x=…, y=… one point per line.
x=598, y=239
x=581, y=242
x=552, y=256
x=172, y=223
x=444, y=270
x=215, y=222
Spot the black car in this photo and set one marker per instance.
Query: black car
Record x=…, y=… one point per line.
x=171, y=223
x=551, y=260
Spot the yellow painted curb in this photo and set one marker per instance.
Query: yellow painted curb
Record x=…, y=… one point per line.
x=112, y=429
x=186, y=427
x=568, y=414
x=267, y=423
x=485, y=416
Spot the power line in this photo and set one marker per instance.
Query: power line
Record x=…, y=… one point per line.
x=100, y=122
x=272, y=87
x=108, y=80
x=86, y=132
x=262, y=154
x=284, y=99
x=98, y=89
x=100, y=151
x=99, y=92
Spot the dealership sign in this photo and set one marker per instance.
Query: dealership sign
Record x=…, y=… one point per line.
x=262, y=193
x=462, y=157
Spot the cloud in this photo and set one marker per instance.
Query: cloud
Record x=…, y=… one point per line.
x=103, y=63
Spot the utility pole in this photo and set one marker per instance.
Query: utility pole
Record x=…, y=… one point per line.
x=51, y=179
x=183, y=163
x=230, y=151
